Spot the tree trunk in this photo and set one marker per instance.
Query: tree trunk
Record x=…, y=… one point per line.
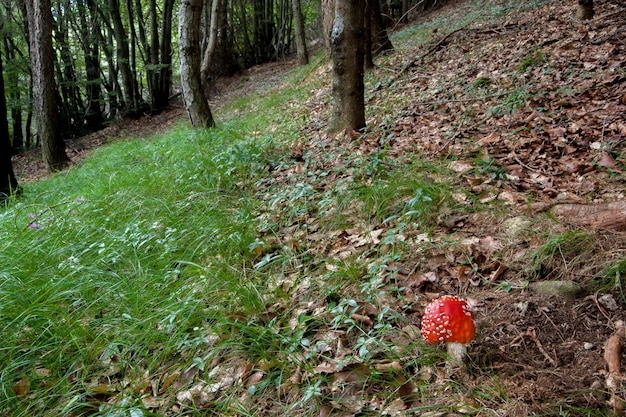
x=189, y=52
x=328, y=17
x=45, y=103
x=91, y=50
x=585, y=9
x=608, y=216
x=368, y=58
x=123, y=57
x=72, y=108
x=157, y=50
x=378, y=29
x=165, y=73
x=206, y=69
x=8, y=183
x=303, y=53
x=347, y=45
x=14, y=94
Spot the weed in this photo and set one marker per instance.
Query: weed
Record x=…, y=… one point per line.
x=561, y=253
x=533, y=59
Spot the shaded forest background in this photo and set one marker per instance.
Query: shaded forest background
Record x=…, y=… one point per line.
x=116, y=59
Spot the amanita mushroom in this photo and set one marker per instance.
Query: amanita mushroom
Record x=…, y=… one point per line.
x=449, y=319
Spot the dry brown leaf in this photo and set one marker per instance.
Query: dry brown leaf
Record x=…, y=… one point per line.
x=493, y=137
x=461, y=166
x=255, y=378
x=389, y=366
x=361, y=318
x=96, y=388
x=154, y=402
x=22, y=387
x=326, y=368
x=606, y=161
x=415, y=281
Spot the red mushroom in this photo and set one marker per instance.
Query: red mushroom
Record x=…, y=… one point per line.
x=449, y=319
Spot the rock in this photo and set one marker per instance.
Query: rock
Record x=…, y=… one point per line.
x=565, y=289
x=515, y=225
x=608, y=302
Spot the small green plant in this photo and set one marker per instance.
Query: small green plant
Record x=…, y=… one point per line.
x=482, y=82
x=613, y=277
x=561, y=253
x=533, y=59
x=492, y=168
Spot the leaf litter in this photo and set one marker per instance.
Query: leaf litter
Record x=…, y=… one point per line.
x=527, y=111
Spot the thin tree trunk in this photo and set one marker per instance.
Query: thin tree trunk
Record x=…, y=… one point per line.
x=8, y=183
x=189, y=52
x=303, y=53
x=368, y=58
x=123, y=56
x=378, y=30
x=44, y=87
x=14, y=95
x=585, y=9
x=165, y=72
x=328, y=17
x=91, y=49
x=206, y=69
x=347, y=44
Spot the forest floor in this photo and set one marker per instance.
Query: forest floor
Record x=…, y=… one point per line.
x=530, y=111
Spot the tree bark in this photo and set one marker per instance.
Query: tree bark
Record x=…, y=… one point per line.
x=328, y=17
x=157, y=50
x=378, y=30
x=368, y=58
x=347, y=46
x=11, y=54
x=8, y=183
x=39, y=13
x=165, y=76
x=585, y=9
x=71, y=105
x=610, y=216
x=206, y=68
x=123, y=58
x=90, y=29
x=298, y=18
x=189, y=52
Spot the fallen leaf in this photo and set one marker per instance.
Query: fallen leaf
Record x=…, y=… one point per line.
x=493, y=137
x=606, y=161
x=22, y=387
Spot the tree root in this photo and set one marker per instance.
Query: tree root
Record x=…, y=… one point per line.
x=612, y=355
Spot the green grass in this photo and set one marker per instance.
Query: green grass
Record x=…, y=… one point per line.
x=101, y=259
x=143, y=263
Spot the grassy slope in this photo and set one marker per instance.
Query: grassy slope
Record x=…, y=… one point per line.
x=216, y=272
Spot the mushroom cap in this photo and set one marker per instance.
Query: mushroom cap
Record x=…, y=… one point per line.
x=448, y=319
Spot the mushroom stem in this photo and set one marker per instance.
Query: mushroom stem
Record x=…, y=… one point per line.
x=457, y=351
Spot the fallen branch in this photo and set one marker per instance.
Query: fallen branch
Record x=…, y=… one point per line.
x=611, y=216
x=419, y=59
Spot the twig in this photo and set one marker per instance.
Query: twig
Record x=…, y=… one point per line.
x=443, y=40
x=532, y=334
x=524, y=165
x=419, y=59
x=405, y=15
x=451, y=139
